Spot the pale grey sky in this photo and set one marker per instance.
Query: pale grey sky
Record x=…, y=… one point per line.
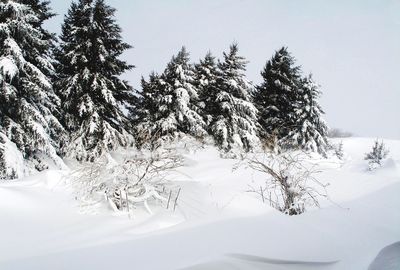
x=351, y=46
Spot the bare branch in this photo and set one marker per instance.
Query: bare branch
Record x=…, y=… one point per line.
x=286, y=186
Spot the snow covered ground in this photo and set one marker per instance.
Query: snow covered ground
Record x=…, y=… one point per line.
x=217, y=225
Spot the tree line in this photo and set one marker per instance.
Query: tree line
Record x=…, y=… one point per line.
x=63, y=96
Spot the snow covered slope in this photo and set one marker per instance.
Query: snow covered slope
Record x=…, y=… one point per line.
x=218, y=225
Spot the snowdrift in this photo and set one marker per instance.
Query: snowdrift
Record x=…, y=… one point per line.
x=217, y=225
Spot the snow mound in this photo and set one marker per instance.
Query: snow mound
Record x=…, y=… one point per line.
x=390, y=163
x=387, y=259
x=264, y=260
x=249, y=262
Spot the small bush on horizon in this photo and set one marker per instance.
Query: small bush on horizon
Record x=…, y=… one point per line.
x=378, y=153
x=339, y=152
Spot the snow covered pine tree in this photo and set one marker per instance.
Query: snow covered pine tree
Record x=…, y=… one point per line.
x=169, y=103
x=310, y=130
x=275, y=97
x=288, y=106
x=89, y=85
x=148, y=109
x=29, y=127
x=206, y=75
x=234, y=122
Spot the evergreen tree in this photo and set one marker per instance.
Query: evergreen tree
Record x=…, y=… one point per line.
x=179, y=77
x=206, y=75
x=310, y=130
x=170, y=102
x=8, y=168
x=277, y=96
x=235, y=119
x=150, y=104
x=28, y=122
x=41, y=8
x=288, y=105
x=91, y=91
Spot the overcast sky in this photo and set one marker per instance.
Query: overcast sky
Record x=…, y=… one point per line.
x=351, y=47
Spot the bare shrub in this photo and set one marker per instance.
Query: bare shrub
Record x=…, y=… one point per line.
x=290, y=186
x=132, y=183
x=269, y=142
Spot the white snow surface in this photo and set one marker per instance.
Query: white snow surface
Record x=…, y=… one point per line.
x=217, y=224
x=387, y=259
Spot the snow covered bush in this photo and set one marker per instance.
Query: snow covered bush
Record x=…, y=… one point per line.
x=378, y=153
x=133, y=183
x=290, y=185
x=338, y=149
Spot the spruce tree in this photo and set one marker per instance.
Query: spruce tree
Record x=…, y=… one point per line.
x=310, y=130
x=28, y=124
x=206, y=75
x=88, y=81
x=235, y=119
x=288, y=106
x=150, y=107
x=276, y=97
x=179, y=77
x=174, y=98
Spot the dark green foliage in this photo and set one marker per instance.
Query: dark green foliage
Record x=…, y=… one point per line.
x=378, y=153
x=289, y=112
x=277, y=95
x=29, y=110
x=309, y=130
x=168, y=104
x=88, y=81
x=234, y=117
x=206, y=76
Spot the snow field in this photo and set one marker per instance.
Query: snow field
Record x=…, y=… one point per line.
x=217, y=225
